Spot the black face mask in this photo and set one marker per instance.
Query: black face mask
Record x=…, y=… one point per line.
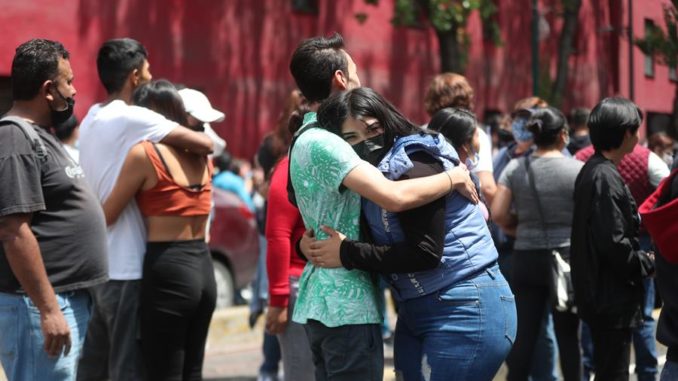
x=59, y=117
x=371, y=150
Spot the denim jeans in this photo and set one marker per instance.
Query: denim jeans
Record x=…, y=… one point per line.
x=463, y=332
x=21, y=342
x=670, y=371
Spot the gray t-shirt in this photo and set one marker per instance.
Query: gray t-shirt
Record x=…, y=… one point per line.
x=67, y=220
x=554, y=179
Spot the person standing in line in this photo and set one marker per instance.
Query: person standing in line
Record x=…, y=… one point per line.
x=642, y=171
x=659, y=214
x=540, y=188
x=51, y=225
x=608, y=264
x=580, y=131
x=339, y=308
x=107, y=133
x=546, y=352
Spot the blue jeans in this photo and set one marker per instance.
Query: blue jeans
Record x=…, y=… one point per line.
x=670, y=371
x=21, y=342
x=463, y=332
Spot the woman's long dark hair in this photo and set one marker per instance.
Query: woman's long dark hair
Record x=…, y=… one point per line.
x=364, y=102
x=458, y=125
x=162, y=97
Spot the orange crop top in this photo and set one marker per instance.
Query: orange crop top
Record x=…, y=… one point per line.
x=167, y=198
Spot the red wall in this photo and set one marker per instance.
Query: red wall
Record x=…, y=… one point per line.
x=237, y=52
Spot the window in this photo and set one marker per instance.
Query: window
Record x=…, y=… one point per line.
x=649, y=59
x=5, y=94
x=305, y=6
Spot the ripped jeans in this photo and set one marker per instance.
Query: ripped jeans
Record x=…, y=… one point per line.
x=463, y=332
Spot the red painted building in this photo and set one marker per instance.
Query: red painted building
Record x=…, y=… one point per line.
x=237, y=52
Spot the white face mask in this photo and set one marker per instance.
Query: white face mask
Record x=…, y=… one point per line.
x=472, y=159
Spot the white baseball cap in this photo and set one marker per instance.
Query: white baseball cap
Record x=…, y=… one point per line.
x=199, y=107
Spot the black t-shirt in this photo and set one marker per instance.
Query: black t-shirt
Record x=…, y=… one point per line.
x=67, y=221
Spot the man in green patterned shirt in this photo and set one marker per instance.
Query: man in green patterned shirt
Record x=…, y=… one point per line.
x=341, y=308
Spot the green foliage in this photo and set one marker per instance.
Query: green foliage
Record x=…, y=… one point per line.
x=444, y=15
x=663, y=45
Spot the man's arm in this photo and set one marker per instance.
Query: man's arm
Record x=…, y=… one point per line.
x=397, y=196
x=613, y=245
x=24, y=258
x=196, y=142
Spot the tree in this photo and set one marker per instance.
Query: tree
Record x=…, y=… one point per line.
x=449, y=19
x=664, y=47
x=570, y=24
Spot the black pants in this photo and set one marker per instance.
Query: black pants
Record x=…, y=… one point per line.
x=346, y=353
x=530, y=282
x=178, y=296
x=611, y=353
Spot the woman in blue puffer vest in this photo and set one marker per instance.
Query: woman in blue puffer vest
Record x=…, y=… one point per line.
x=456, y=317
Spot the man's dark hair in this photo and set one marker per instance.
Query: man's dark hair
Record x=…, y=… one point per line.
x=35, y=62
x=117, y=58
x=610, y=120
x=65, y=129
x=313, y=64
x=360, y=103
x=546, y=124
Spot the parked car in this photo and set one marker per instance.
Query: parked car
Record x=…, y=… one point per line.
x=234, y=244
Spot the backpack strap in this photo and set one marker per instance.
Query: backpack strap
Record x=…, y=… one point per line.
x=36, y=142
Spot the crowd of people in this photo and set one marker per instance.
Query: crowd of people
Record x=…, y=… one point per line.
x=105, y=272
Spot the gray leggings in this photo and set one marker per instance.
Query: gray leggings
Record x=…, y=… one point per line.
x=296, y=352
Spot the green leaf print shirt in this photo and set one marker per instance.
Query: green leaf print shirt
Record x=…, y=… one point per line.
x=319, y=162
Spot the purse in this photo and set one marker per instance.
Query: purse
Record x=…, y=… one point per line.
x=561, y=290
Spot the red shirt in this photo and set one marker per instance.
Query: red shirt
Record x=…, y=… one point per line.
x=284, y=227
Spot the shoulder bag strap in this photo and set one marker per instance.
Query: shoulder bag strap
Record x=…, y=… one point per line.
x=530, y=177
x=33, y=137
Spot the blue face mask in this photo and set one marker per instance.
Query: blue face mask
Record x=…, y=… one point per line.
x=519, y=130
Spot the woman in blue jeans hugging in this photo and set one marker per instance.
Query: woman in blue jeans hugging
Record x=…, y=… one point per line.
x=456, y=317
